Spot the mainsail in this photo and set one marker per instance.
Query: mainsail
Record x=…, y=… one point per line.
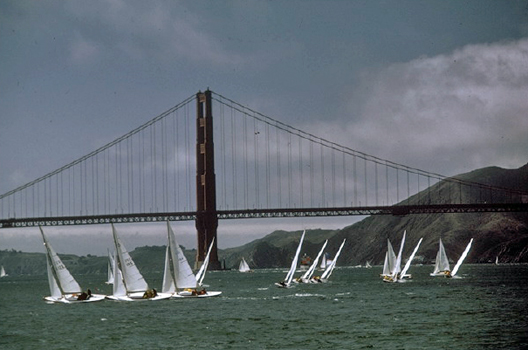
x=408, y=264
x=293, y=267
x=462, y=257
x=181, y=270
x=133, y=280
x=110, y=279
x=397, y=265
x=203, y=269
x=308, y=274
x=326, y=274
x=441, y=262
x=61, y=281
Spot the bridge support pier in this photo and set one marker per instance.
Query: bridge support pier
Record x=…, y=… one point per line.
x=206, y=218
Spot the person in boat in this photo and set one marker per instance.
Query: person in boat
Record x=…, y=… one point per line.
x=150, y=293
x=85, y=295
x=202, y=292
x=447, y=274
x=282, y=283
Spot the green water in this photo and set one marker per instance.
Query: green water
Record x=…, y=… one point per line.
x=486, y=309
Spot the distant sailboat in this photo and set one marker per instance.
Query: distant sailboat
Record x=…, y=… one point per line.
x=129, y=284
x=63, y=287
x=289, y=276
x=2, y=272
x=178, y=272
x=326, y=274
x=244, y=267
x=442, y=267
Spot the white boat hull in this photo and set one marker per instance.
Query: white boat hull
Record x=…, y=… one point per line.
x=186, y=294
x=138, y=297
x=72, y=299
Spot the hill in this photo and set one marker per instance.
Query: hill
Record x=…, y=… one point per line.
x=503, y=235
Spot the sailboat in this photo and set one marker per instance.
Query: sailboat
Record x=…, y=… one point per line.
x=307, y=276
x=408, y=264
x=289, y=276
x=396, y=268
x=63, y=287
x=178, y=274
x=244, y=267
x=326, y=274
x=203, y=269
x=110, y=273
x=129, y=284
x=461, y=259
x=2, y=272
x=442, y=267
x=390, y=261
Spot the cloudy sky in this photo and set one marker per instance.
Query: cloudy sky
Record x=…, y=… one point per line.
x=436, y=85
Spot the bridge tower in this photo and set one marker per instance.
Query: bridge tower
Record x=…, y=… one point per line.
x=206, y=218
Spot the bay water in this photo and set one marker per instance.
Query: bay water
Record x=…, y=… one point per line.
x=484, y=309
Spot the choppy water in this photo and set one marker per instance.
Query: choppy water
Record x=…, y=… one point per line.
x=486, y=309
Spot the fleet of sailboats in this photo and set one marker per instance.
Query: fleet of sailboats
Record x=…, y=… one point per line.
x=179, y=281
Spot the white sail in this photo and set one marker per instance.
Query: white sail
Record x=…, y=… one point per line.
x=326, y=274
x=308, y=274
x=182, y=273
x=323, y=262
x=60, y=274
x=386, y=268
x=134, y=281
x=55, y=291
x=390, y=260
x=203, y=269
x=408, y=264
x=118, y=288
x=462, y=257
x=168, y=282
x=289, y=276
x=441, y=262
x=397, y=264
x=110, y=273
x=244, y=267
x=2, y=271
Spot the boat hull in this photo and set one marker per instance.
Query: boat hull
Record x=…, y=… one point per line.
x=72, y=299
x=138, y=297
x=185, y=294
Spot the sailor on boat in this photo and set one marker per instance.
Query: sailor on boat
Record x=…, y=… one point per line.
x=85, y=295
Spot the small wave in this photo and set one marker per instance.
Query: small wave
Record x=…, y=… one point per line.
x=304, y=295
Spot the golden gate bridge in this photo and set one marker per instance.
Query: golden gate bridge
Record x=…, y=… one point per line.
x=182, y=166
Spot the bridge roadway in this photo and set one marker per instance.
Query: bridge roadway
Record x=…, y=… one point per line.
x=398, y=210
